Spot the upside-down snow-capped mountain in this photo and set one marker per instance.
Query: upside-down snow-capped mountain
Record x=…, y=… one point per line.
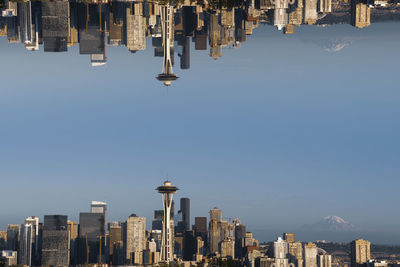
x=332, y=223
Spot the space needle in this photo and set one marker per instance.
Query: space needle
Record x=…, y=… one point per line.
x=167, y=24
x=167, y=250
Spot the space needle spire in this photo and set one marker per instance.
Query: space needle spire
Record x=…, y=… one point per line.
x=167, y=249
x=167, y=23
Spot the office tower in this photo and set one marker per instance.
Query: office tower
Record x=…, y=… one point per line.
x=115, y=238
x=156, y=235
x=99, y=207
x=281, y=249
x=26, y=245
x=91, y=34
x=134, y=239
x=3, y=240
x=167, y=21
x=289, y=237
x=324, y=260
x=188, y=245
x=325, y=6
x=91, y=234
x=28, y=25
x=360, y=14
x=185, y=55
x=185, y=210
x=13, y=236
x=135, y=29
x=310, y=11
x=72, y=228
x=200, y=227
x=296, y=253
x=200, y=248
x=167, y=190
x=240, y=235
x=9, y=258
x=55, y=248
x=156, y=224
x=310, y=255
x=215, y=231
x=29, y=243
x=250, y=241
x=360, y=252
x=227, y=248
x=55, y=25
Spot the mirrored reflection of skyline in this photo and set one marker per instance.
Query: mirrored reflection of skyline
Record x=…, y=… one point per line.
x=210, y=25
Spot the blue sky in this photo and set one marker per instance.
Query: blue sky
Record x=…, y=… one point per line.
x=279, y=132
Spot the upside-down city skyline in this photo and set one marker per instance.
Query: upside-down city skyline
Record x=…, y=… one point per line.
x=282, y=113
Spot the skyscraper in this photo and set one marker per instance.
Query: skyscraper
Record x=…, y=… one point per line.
x=281, y=249
x=13, y=236
x=135, y=239
x=55, y=248
x=310, y=255
x=73, y=240
x=219, y=230
x=185, y=210
x=360, y=252
x=91, y=234
x=167, y=249
x=29, y=244
x=324, y=260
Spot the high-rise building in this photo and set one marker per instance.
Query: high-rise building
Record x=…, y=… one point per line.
x=115, y=237
x=99, y=207
x=185, y=210
x=310, y=255
x=3, y=240
x=227, y=248
x=215, y=229
x=360, y=14
x=281, y=249
x=189, y=248
x=91, y=237
x=29, y=243
x=360, y=252
x=167, y=190
x=289, y=237
x=156, y=224
x=324, y=260
x=135, y=239
x=240, y=236
x=73, y=241
x=296, y=253
x=55, y=25
x=55, y=248
x=13, y=236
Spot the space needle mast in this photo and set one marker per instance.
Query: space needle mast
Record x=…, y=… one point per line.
x=167, y=250
x=167, y=24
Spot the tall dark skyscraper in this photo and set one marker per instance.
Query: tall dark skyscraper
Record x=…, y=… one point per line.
x=55, y=241
x=91, y=233
x=185, y=210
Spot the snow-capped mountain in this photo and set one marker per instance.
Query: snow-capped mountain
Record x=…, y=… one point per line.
x=332, y=223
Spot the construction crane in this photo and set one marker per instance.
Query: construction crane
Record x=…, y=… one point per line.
x=87, y=250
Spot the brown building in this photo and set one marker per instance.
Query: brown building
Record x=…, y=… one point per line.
x=360, y=14
x=360, y=252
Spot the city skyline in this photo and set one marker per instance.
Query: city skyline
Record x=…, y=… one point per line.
x=281, y=132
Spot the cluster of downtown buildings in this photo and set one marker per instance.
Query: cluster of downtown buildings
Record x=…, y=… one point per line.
x=172, y=26
x=172, y=240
